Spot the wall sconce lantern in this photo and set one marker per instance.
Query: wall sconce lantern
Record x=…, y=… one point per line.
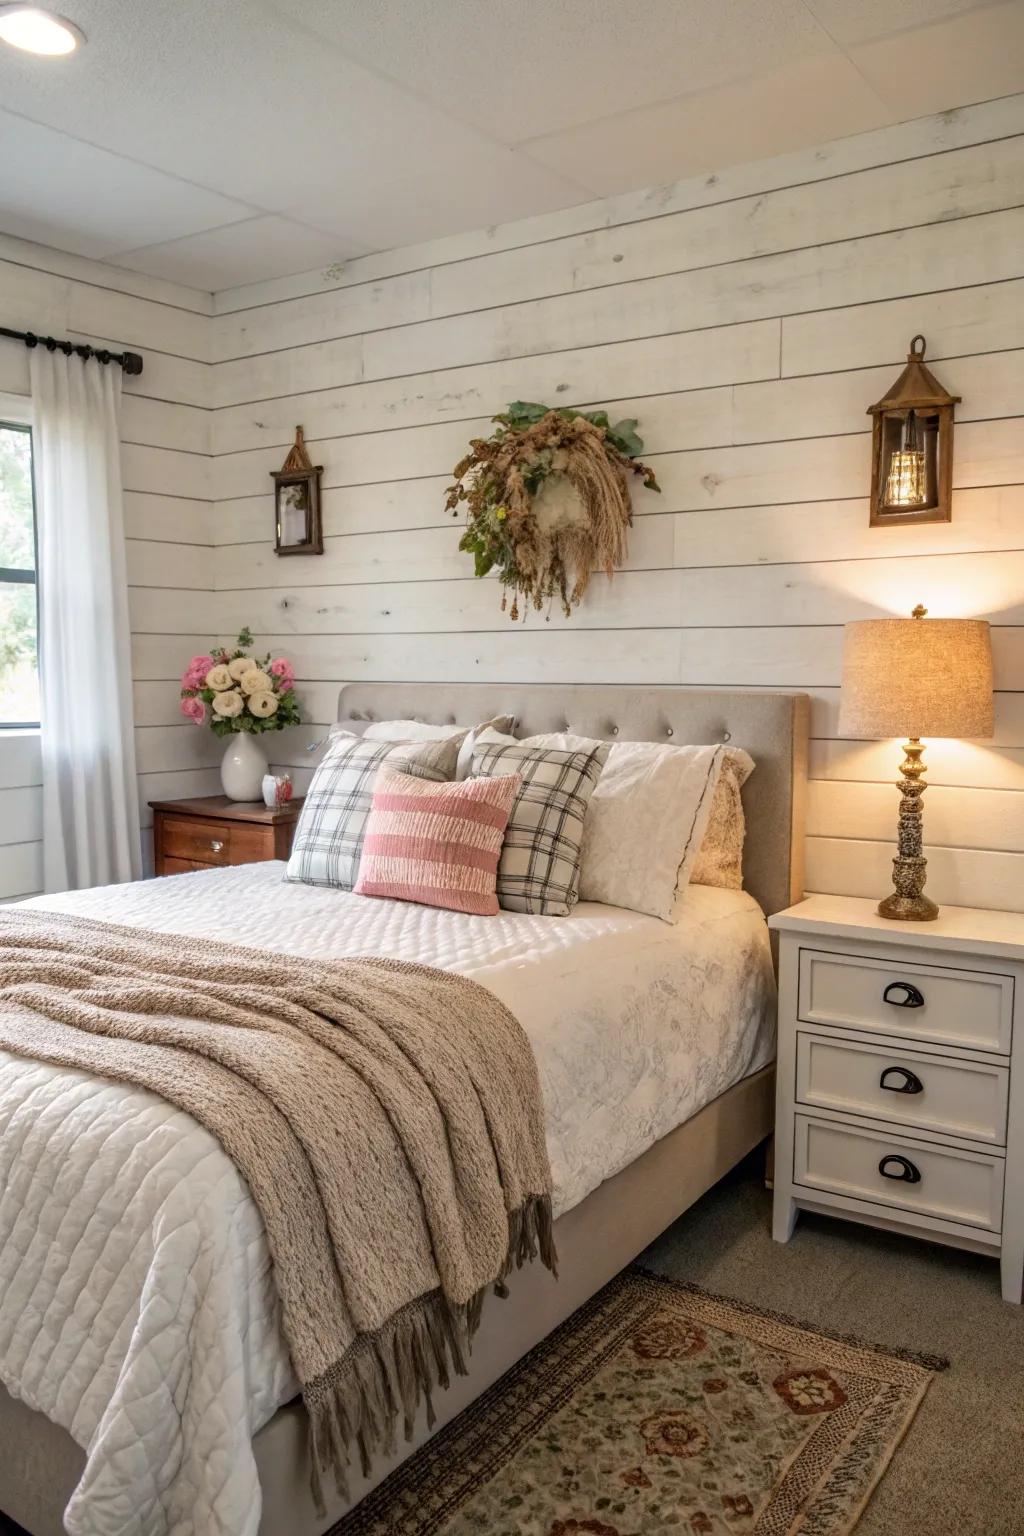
x=912, y=447
x=297, y=525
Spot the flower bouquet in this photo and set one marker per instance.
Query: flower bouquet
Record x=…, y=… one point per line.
x=242, y=698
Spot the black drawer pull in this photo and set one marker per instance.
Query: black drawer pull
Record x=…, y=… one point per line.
x=903, y=994
x=905, y=1081
x=904, y=1169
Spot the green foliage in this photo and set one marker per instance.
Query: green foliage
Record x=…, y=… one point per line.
x=523, y=413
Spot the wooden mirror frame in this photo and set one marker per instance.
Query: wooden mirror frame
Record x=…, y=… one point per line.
x=298, y=469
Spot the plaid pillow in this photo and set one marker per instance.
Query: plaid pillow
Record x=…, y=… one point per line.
x=328, y=839
x=539, y=869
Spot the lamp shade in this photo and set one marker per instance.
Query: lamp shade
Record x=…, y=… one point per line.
x=916, y=677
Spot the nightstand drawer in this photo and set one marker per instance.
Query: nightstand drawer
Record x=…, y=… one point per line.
x=202, y=841
x=213, y=842
x=946, y=1094
x=954, y=1007
x=925, y=1179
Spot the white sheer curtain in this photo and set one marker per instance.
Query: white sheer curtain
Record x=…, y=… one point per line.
x=90, y=796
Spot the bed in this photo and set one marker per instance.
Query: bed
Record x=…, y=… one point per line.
x=654, y=1045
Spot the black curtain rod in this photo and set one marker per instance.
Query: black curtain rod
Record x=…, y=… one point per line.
x=131, y=362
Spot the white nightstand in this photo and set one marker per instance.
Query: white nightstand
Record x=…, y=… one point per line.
x=900, y=1102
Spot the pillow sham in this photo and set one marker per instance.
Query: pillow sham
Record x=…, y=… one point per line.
x=437, y=844
x=420, y=730
x=540, y=861
x=646, y=821
x=329, y=835
x=719, y=859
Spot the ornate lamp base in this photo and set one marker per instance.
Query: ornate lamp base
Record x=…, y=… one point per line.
x=908, y=909
x=908, y=903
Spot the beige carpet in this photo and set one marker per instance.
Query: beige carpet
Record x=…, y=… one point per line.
x=960, y=1470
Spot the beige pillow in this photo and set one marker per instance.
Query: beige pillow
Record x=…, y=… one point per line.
x=719, y=859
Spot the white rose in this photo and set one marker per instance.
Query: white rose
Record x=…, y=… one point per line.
x=262, y=704
x=218, y=678
x=240, y=666
x=228, y=704
x=255, y=680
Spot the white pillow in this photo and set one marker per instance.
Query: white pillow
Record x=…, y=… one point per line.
x=646, y=820
x=419, y=730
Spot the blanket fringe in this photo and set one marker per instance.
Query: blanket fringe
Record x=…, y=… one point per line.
x=357, y=1401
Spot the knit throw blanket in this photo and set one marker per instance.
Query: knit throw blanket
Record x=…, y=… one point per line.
x=386, y=1116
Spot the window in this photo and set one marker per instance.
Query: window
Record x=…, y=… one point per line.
x=19, y=672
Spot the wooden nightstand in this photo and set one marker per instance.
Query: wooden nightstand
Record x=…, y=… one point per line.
x=213, y=830
x=897, y=1102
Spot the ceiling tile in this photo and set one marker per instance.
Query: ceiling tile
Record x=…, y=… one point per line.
x=60, y=192
x=966, y=59
x=248, y=252
x=803, y=105
x=472, y=185
x=240, y=99
x=519, y=68
x=870, y=19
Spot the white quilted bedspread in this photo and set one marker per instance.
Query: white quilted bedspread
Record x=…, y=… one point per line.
x=137, y=1308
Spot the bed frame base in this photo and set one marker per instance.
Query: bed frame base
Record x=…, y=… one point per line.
x=40, y=1464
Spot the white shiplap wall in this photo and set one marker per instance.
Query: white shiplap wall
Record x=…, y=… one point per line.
x=748, y=320
x=168, y=516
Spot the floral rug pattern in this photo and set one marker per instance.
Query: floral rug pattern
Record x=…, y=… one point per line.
x=660, y=1409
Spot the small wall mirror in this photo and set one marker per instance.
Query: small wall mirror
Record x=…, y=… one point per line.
x=298, y=529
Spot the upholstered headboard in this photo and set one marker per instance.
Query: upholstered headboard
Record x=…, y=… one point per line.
x=772, y=727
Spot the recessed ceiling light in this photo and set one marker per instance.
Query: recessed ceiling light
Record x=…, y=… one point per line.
x=36, y=31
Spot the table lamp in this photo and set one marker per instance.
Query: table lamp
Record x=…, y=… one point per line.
x=915, y=677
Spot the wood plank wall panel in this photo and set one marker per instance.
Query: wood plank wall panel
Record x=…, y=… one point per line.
x=748, y=320
x=167, y=502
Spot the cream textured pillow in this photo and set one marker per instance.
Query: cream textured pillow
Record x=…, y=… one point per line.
x=646, y=821
x=719, y=859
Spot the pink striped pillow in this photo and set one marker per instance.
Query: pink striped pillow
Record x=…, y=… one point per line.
x=437, y=844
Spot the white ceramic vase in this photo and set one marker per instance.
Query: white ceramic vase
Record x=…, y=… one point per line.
x=242, y=767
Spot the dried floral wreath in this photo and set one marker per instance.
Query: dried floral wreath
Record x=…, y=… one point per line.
x=547, y=500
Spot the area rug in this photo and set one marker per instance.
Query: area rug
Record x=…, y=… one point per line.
x=659, y=1408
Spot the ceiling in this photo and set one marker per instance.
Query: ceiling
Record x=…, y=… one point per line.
x=216, y=144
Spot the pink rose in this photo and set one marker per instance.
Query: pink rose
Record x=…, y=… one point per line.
x=194, y=675
x=283, y=673
x=194, y=709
